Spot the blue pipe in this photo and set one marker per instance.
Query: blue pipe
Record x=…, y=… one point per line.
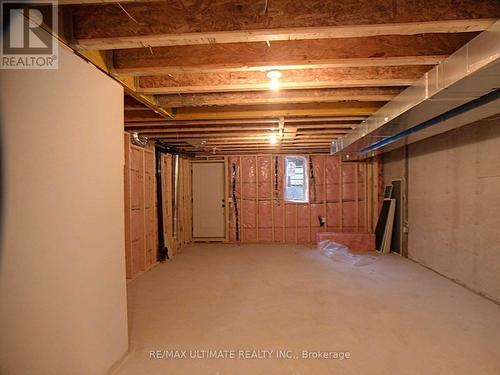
x=494, y=95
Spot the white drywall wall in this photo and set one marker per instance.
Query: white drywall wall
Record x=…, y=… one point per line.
x=62, y=267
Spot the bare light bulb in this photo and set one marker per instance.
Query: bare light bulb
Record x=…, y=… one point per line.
x=273, y=139
x=274, y=84
x=274, y=76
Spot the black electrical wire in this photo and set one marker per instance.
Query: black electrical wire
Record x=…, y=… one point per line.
x=313, y=179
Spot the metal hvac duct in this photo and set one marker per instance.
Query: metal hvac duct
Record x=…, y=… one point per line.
x=138, y=140
x=470, y=73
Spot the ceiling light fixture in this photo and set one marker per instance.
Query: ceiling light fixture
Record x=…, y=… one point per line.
x=273, y=139
x=274, y=76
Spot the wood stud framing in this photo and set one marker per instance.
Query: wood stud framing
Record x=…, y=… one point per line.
x=334, y=190
x=141, y=229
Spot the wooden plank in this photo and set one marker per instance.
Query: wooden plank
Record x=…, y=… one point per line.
x=226, y=195
x=257, y=196
x=325, y=187
x=285, y=64
x=246, y=135
x=341, y=198
x=243, y=121
x=184, y=131
x=161, y=86
x=426, y=49
x=357, y=194
x=284, y=34
x=306, y=109
x=271, y=181
x=250, y=142
x=128, y=243
x=241, y=200
x=280, y=96
x=177, y=83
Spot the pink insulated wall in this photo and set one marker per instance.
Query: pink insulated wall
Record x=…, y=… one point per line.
x=338, y=193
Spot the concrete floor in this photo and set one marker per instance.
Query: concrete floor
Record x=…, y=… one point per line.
x=391, y=314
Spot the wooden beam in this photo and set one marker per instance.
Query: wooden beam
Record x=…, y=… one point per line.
x=241, y=135
x=242, y=138
x=311, y=109
x=291, y=79
x=257, y=148
x=250, y=143
x=280, y=96
x=240, y=121
x=273, y=35
x=182, y=130
x=284, y=65
x=186, y=130
x=426, y=49
x=172, y=17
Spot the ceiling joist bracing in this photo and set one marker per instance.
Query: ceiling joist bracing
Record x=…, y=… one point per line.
x=196, y=71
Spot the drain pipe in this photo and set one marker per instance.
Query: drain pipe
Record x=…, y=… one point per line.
x=138, y=140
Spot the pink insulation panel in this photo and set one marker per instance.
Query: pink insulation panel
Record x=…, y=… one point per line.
x=264, y=168
x=265, y=214
x=337, y=193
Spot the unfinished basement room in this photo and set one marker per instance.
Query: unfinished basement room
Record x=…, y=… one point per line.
x=249, y=187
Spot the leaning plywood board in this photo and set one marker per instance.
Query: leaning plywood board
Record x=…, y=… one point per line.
x=386, y=244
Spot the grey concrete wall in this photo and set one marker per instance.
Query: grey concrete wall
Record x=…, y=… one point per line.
x=454, y=203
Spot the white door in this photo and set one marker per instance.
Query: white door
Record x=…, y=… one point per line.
x=208, y=201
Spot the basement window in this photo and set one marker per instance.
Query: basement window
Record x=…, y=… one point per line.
x=296, y=187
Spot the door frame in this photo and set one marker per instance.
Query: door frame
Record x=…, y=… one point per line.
x=223, y=161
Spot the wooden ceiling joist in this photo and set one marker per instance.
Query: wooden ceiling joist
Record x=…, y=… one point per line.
x=273, y=35
x=236, y=137
x=244, y=121
x=280, y=96
x=255, y=143
x=210, y=130
x=291, y=79
x=307, y=109
x=285, y=64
